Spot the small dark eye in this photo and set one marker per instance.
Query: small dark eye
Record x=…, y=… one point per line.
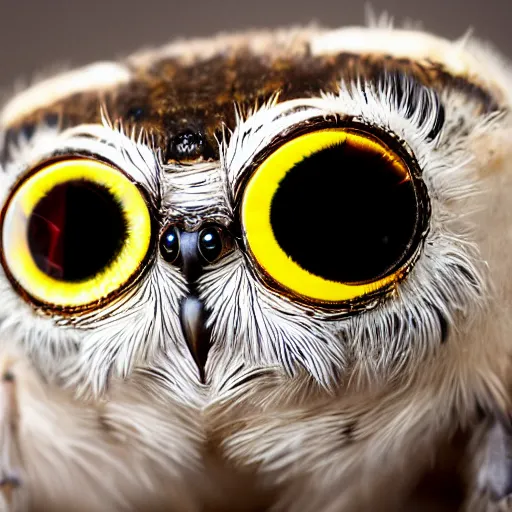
x=210, y=244
x=170, y=244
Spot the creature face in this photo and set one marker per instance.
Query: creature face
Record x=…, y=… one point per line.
x=286, y=250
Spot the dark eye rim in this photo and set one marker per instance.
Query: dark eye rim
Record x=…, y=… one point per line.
x=410, y=255
x=399, y=146
x=136, y=276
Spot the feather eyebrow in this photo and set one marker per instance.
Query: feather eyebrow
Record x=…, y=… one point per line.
x=414, y=100
x=454, y=58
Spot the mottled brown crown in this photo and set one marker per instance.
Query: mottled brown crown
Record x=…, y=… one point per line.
x=185, y=95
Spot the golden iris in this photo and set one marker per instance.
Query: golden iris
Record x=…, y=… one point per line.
x=332, y=215
x=74, y=232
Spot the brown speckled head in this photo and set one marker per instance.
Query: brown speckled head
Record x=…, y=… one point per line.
x=186, y=95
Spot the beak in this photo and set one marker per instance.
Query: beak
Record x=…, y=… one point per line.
x=193, y=324
x=192, y=311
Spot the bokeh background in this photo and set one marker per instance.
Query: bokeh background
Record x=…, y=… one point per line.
x=42, y=35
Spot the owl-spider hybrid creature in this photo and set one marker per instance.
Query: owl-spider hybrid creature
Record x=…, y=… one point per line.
x=262, y=271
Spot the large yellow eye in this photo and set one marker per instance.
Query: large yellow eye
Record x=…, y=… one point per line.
x=75, y=232
x=334, y=215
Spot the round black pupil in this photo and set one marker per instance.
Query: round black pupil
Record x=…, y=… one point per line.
x=210, y=244
x=345, y=214
x=76, y=230
x=170, y=244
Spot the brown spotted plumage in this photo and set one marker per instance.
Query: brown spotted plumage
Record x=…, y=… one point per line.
x=158, y=97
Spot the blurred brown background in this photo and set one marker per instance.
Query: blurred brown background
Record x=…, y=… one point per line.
x=41, y=35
